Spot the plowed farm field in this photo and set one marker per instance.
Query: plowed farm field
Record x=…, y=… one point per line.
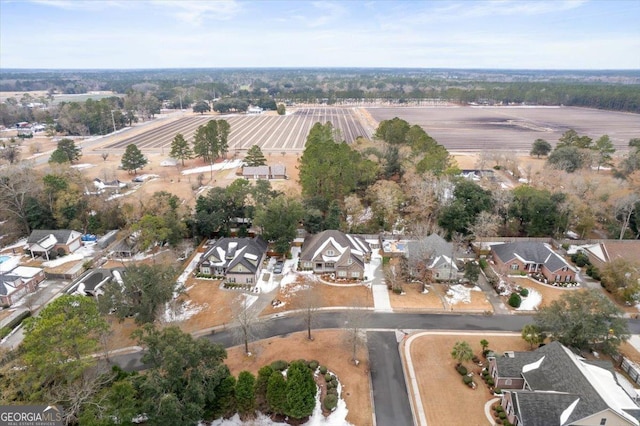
x=469, y=128
x=272, y=133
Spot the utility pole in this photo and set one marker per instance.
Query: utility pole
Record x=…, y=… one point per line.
x=113, y=120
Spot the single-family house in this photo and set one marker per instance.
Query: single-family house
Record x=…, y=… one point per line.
x=277, y=171
x=440, y=256
x=42, y=242
x=19, y=281
x=533, y=258
x=607, y=251
x=554, y=386
x=239, y=260
x=335, y=252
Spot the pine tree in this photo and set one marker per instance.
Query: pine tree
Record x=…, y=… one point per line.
x=180, y=149
x=262, y=382
x=133, y=159
x=255, y=157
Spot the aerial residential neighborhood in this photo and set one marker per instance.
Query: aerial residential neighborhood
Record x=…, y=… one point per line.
x=354, y=213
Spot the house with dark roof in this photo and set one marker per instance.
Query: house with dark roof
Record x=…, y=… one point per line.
x=533, y=258
x=554, y=386
x=334, y=252
x=439, y=255
x=277, y=171
x=42, y=242
x=239, y=260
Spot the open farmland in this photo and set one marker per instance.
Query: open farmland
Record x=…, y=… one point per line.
x=272, y=133
x=513, y=128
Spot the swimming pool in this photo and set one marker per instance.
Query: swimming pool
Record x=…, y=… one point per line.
x=4, y=258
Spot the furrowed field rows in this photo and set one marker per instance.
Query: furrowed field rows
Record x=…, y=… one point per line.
x=272, y=133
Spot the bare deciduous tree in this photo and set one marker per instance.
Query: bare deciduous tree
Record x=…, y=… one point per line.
x=17, y=184
x=311, y=303
x=246, y=325
x=355, y=337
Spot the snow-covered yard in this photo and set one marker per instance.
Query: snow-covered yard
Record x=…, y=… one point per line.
x=531, y=302
x=226, y=164
x=81, y=253
x=459, y=293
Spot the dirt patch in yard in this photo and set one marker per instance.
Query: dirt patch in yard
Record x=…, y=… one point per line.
x=446, y=400
x=329, y=349
x=413, y=298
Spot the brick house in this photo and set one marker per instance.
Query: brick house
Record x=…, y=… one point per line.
x=335, y=252
x=533, y=258
x=19, y=281
x=42, y=242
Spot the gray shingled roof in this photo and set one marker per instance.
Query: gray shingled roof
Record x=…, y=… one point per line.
x=314, y=242
x=432, y=246
x=542, y=408
x=61, y=235
x=531, y=252
x=256, y=246
x=558, y=372
x=512, y=367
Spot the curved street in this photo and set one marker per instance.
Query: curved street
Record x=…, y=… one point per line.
x=390, y=398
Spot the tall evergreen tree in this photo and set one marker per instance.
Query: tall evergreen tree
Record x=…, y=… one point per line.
x=255, y=157
x=245, y=395
x=301, y=391
x=66, y=151
x=277, y=393
x=180, y=149
x=133, y=159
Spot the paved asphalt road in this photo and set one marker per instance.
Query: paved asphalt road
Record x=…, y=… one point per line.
x=392, y=406
x=389, y=388
x=284, y=325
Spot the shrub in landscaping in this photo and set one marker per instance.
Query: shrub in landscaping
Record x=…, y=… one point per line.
x=313, y=365
x=327, y=377
x=524, y=292
x=502, y=415
x=462, y=370
x=332, y=391
x=475, y=359
x=497, y=390
x=483, y=263
x=334, y=382
x=279, y=365
x=330, y=402
x=580, y=259
x=515, y=300
x=490, y=381
x=467, y=380
x=499, y=408
x=323, y=370
x=330, y=385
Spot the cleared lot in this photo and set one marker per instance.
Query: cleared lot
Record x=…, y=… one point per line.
x=272, y=133
x=514, y=128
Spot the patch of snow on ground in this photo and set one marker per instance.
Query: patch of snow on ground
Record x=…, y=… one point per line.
x=460, y=294
x=182, y=311
x=19, y=243
x=226, y=164
x=531, y=302
x=62, y=260
x=189, y=269
x=81, y=166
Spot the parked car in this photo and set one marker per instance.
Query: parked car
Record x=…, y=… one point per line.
x=278, y=268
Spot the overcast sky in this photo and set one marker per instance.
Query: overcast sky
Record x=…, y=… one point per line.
x=514, y=34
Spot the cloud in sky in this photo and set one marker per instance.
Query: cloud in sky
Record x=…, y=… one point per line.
x=568, y=34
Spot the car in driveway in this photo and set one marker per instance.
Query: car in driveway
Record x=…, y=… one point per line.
x=278, y=268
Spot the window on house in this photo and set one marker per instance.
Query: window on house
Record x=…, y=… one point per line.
x=330, y=253
x=603, y=422
x=342, y=273
x=355, y=274
x=558, y=277
x=249, y=280
x=330, y=265
x=567, y=278
x=515, y=267
x=350, y=261
x=507, y=382
x=307, y=264
x=318, y=265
